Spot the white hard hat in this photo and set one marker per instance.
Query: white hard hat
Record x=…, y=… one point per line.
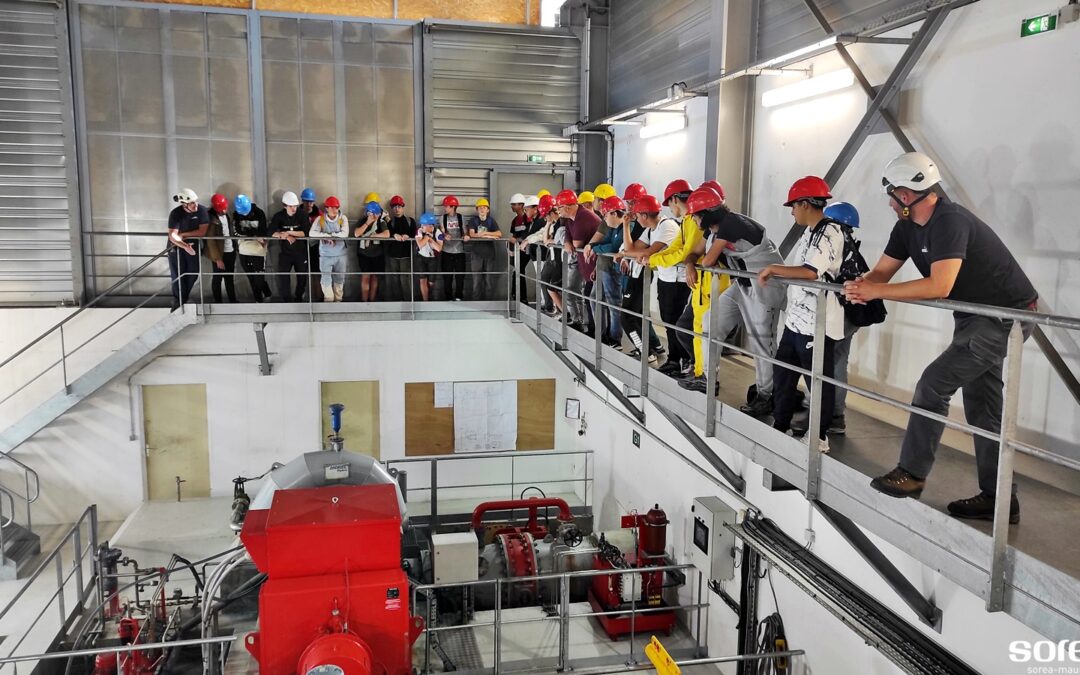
x=517, y=198
x=290, y=199
x=186, y=196
x=532, y=200
x=912, y=170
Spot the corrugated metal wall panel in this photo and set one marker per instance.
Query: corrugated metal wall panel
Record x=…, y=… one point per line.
x=494, y=97
x=35, y=225
x=785, y=26
x=654, y=44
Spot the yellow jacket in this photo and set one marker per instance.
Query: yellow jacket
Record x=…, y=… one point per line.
x=689, y=234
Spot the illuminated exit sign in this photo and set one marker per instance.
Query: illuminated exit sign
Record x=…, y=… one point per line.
x=1038, y=24
x=536, y=159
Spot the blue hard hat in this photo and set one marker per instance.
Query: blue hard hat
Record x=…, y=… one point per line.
x=242, y=205
x=428, y=218
x=842, y=212
x=374, y=207
x=308, y=195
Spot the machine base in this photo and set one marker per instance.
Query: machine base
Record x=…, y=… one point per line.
x=618, y=625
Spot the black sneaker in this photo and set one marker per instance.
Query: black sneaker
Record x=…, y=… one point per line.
x=671, y=368
x=899, y=483
x=635, y=354
x=981, y=507
x=838, y=426
x=760, y=407
x=695, y=384
x=799, y=426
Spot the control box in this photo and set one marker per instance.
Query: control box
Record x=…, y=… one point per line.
x=455, y=557
x=710, y=542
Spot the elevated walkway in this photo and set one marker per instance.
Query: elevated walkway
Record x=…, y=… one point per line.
x=1043, y=586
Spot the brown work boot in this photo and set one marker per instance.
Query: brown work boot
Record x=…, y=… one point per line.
x=981, y=507
x=899, y=483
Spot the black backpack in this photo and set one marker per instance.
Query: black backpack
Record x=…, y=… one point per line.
x=853, y=266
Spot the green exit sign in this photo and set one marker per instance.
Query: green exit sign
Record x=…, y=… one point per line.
x=636, y=438
x=536, y=159
x=1038, y=24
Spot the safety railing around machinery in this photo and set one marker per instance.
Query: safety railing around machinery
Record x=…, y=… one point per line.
x=560, y=611
x=120, y=651
x=999, y=573
x=517, y=479
x=75, y=582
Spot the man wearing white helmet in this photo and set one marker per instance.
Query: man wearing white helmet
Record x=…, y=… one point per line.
x=290, y=225
x=960, y=258
x=189, y=220
x=519, y=229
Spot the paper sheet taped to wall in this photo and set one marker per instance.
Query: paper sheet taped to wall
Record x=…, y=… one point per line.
x=444, y=394
x=485, y=416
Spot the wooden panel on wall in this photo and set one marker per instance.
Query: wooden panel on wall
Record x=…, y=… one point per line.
x=428, y=430
x=490, y=11
x=536, y=414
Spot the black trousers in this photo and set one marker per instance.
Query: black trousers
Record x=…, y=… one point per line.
x=184, y=272
x=225, y=275
x=292, y=260
x=522, y=290
x=453, y=284
x=253, y=266
x=973, y=362
x=673, y=296
x=798, y=350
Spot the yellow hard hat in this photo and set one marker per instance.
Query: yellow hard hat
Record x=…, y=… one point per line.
x=482, y=202
x=585, y=198
x=603, y=191
x=542, y=193
x=372, y=197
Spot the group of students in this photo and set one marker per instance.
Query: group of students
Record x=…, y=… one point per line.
x=579, y=240
x=392, y=245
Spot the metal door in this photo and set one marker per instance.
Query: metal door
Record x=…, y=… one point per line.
x=177, y=442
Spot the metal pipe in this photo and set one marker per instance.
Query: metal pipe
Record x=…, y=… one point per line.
x=1000, y=574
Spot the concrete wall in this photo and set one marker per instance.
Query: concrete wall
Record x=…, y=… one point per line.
x=979, y=638
x=93, y=454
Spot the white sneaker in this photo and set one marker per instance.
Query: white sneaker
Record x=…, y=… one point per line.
x=823, y=447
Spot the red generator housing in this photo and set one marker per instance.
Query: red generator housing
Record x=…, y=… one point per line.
x=335, y=592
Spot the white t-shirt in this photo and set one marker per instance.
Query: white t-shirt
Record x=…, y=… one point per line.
x=667, y=230
x=224, y=220
x=823, y=251
x=427, y=250
x=637, y=268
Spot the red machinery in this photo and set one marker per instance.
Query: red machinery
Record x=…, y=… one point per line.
x=643, y=589
x=336, y=594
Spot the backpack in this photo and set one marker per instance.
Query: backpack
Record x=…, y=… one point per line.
x=853, y=266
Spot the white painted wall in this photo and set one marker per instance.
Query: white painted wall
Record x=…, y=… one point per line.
x=655, y=162
x=93, y=454
x=995, y=112
x=629, y=478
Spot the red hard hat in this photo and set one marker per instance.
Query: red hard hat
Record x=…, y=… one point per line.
x=703, y=199
x=219, y=203
x=810, y=187
x=547, y=202
x=646, y=204
x=397, y=200
x=634, y=191
x=613, y=203
x=675, y=187
x=566, y=198
x=332, y=202
x=450, y=200
x=716, y=186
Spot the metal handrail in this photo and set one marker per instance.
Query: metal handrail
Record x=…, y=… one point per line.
x=120, y=649
x=489, y=455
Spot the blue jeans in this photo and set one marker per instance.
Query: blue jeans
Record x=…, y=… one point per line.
x=612, y=289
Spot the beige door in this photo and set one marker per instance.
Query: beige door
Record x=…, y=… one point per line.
x=177, y=444
x=360, y=421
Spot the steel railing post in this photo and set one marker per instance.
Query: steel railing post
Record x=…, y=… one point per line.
x=78, y=560
x=995, y=601
x=712, y=352
x=497, y=638
x=813, y=464
x=311, y=285
x=565, y=297
x=564, y=623
x=434, y=492
x=539, y=291
x=646, y=327
x=598, y=321
x=60, y=587
x=63, y=365
x=634, y=590
x=511, y=262
x=412, y=284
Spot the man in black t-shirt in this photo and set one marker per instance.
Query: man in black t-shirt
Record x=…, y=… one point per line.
x=400, y=286
x=960, y=258
x=190, y=220
x=291, y=226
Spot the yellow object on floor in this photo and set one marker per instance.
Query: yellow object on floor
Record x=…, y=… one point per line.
x=661, y=660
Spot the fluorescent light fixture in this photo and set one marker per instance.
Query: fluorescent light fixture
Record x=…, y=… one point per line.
x=620, y=117
x=658, y=125
x=822, y=84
